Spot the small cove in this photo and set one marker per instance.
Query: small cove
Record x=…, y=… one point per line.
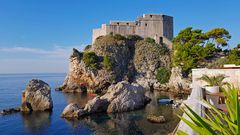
x=127, y=123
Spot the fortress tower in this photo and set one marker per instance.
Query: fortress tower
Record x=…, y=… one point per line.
x=156, y=26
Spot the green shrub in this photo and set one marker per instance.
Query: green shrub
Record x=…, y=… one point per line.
x=87, y=47
x=119, y=37
x=164, y=50
x=149, y=40
x=104, y=41
x=233, y=57
x=163, y=75
x=90, y=59
x=107, y=62
x=134, y=37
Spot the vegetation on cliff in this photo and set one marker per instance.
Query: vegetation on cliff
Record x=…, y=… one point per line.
x=233, y=57
x=148, y=53
x=107, y=64
x=114, y=58
x=194, y=48
x=163, y=75
x=90, y=59
x=88, y=47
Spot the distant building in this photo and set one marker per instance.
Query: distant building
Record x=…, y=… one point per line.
x=156, y=26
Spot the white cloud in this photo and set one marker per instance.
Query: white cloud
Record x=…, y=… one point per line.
x=56, y=52
x=35, y=60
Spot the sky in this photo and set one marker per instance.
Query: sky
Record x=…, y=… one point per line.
x=37, y=36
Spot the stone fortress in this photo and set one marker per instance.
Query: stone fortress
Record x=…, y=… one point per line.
x=156, y=26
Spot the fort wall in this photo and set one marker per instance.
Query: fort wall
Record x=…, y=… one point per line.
x=159, y=27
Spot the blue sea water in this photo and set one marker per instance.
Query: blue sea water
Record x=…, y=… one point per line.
x=46, y=123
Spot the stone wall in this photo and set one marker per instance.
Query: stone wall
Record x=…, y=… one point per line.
x=99, y=32
x=159, y=27
x=232, y=75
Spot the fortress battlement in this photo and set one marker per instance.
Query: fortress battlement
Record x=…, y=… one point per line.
x=156, y=26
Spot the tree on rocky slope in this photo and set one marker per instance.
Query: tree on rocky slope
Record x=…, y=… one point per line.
x=193, y=48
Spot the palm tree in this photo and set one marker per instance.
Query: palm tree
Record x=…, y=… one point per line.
x=214, y=80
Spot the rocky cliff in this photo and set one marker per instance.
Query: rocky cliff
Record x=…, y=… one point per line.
x=115, y=58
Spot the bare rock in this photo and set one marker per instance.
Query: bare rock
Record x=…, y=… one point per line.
x=37, y=96
x=72, y=111
x=96, y=105
x=79, y=76
x=125, y=97
x=178, y=82
x=120, y=97
x=9, y=111
x=156, y=119
x=148, y=58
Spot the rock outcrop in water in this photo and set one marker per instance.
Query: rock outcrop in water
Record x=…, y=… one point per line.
x=9, y=111
x=156, y=119
x=72, y=111
x=130, y=59
x=121, y=97
x=125, y=97
x=36, y=97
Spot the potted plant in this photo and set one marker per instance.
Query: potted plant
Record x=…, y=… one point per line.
x=214, y=82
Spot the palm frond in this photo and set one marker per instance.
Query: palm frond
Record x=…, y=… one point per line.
x=216, y=121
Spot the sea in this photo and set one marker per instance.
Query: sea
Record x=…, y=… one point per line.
x=50, y=123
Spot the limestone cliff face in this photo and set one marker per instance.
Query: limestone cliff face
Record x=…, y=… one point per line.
x=148, y=58
x=131, y=60
x=120, y=52
x=79, y=77
x=177, y=82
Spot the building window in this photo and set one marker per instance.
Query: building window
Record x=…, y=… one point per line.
x=117, y=23
x=161, y=40
x=151, y=16
x=127, y=23
x=146, y=24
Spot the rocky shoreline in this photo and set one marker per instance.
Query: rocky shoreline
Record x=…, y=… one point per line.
x=122, y=81
x=121, y=97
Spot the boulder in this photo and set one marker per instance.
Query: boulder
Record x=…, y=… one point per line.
x=36, y=97
x=96, y=105
x=156, y=119
x=72, y=111
x=124, y=97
